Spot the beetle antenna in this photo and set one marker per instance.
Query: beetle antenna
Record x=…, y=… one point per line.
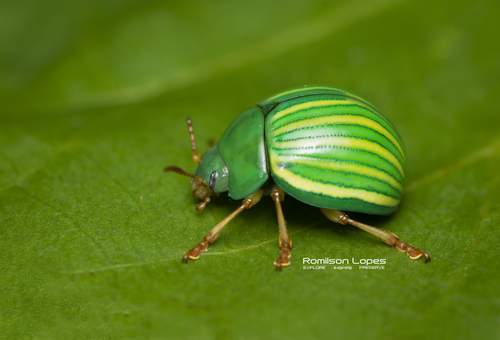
x=184, y=173
x=196, y=156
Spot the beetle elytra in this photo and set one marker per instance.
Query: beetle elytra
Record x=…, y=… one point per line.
x=322, y=145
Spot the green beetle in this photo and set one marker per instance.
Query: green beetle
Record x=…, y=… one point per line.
x=322, y=145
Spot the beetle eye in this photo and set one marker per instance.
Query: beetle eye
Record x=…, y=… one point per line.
x=211, y=182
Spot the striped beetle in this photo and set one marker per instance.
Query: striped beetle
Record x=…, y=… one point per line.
x=322, y=145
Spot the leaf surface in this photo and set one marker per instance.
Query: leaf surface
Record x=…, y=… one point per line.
x=94, y=101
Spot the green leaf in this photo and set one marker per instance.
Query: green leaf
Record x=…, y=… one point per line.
x=94, y=99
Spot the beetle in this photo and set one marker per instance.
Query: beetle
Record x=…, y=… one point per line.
x=324, y=146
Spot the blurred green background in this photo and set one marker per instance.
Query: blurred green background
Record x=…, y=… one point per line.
x=94, y=96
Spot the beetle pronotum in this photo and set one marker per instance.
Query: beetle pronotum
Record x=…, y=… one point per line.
x=322, y=145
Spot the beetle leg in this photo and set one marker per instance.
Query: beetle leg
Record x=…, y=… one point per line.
x=211, y=236
x=387, y=237
x=278, y=195
x=202, y=205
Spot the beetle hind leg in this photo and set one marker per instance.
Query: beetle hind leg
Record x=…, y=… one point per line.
x=283, y=260
x=389, y=238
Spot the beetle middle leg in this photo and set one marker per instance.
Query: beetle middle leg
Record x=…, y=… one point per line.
x=389, y=238
x=211, y=236
x=278, y=195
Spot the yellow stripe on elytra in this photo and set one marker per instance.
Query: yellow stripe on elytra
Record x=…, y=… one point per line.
x=333, y=190
x=345, y=142
x=328, y=164
x=302, y=89
x=363, y=121
x=307, y=105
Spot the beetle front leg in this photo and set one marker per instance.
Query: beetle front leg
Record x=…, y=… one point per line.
x=389, y=238
x=211, y=236
x=278, y=195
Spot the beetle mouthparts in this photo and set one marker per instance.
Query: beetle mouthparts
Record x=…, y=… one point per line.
x=184, y=173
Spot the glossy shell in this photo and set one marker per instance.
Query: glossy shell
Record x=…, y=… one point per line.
x=242, y=146
x=324, y=146
x=335, y=150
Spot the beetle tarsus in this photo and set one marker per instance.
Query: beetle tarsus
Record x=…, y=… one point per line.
x=283, y=257
x=203, y=204
x=194, y=253
x=412, y=252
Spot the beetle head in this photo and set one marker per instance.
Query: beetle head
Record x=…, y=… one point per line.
x=212, y=176
x=200, y=188
x=213, y=170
